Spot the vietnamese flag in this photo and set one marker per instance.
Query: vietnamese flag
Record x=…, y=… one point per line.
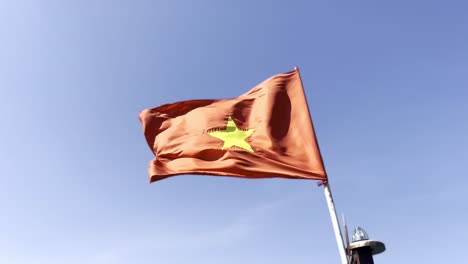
x=264, y=133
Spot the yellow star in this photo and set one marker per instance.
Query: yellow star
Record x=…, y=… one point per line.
x=233, y=136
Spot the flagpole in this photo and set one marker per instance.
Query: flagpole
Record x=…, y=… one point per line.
x=336, y=226
x=331, y=206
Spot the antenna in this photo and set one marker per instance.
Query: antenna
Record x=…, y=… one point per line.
x=345, y=228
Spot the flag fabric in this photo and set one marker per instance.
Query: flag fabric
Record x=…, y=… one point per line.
x=264, y=133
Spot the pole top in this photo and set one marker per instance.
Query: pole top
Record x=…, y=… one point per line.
x=377, y=247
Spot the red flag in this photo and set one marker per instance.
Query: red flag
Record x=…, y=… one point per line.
x=264, y=133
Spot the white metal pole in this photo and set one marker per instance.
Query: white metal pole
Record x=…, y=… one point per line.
x=336, y=225
x=331, y=208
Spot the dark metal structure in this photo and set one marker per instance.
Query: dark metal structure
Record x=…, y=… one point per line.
x=362, y=249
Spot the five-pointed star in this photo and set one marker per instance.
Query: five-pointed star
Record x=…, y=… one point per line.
x=233, y=136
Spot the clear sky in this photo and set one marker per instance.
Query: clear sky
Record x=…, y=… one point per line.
x=387, y=85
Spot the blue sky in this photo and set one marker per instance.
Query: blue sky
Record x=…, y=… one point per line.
x=386, y=83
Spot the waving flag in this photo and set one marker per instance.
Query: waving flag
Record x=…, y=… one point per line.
x=264, y=133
